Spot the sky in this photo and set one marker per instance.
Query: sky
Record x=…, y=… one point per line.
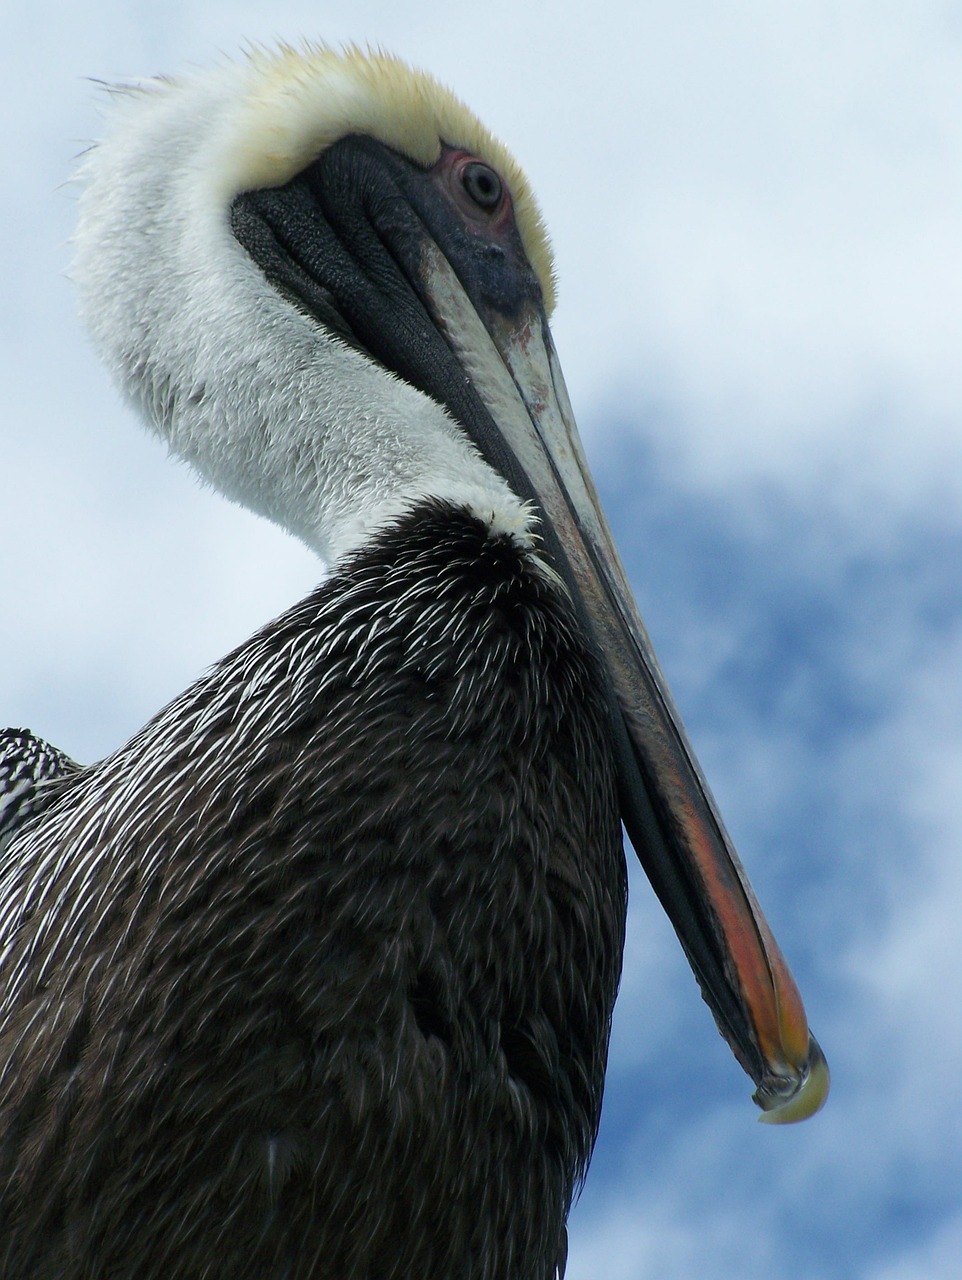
x=757, y=216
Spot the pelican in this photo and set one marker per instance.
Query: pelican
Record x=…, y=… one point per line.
x=313, y=977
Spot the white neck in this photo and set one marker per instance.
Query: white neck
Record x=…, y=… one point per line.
x=258, y=398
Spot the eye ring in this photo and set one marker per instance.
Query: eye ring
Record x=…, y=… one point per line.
x=482, y=184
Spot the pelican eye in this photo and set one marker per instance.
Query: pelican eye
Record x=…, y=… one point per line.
x=482, y=184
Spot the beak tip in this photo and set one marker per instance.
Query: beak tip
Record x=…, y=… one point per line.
x=805, y=1098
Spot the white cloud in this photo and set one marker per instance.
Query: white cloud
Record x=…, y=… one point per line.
x=772, y=213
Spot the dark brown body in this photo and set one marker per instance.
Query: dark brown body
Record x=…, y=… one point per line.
x=318, y=977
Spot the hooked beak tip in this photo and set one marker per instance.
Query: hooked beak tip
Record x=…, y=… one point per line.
x=801, y=1096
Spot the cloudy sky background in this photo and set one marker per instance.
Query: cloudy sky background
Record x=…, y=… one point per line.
x=757, y=214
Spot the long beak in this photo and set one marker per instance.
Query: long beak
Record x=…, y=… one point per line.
x=667, y=808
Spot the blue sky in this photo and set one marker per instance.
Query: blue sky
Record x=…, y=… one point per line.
x=756, y=213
